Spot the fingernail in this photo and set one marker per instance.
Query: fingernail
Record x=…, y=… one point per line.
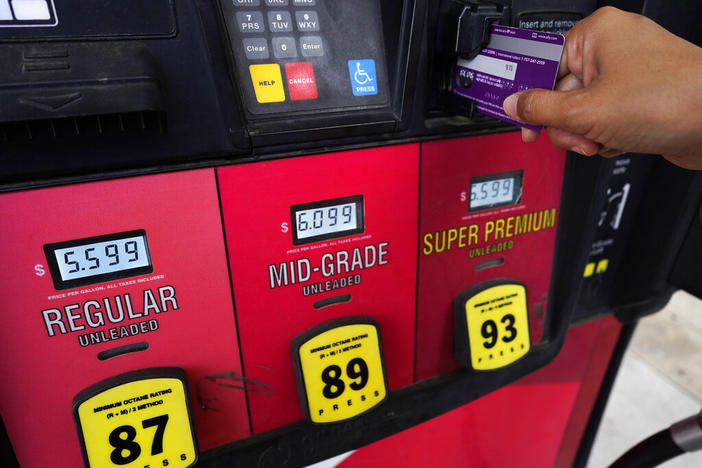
x=510, y=105
x=579, y=150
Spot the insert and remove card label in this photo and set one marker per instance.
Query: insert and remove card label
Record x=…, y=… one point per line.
x=514, y=60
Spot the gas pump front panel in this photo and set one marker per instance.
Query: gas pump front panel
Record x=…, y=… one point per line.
x=489, y=211
x=173, y=309
x=281, y=286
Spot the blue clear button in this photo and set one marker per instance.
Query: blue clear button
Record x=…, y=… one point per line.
x=364, y=81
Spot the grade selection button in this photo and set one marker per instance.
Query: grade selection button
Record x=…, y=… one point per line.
x=340, y=370
x=279, y=21
x=307, y=21
x=301, y=81
x=277, y=2
x=250, y=21
x=311, y=46
x=141, y=418
x=491, y=325
x=267, y=82
x=256, y=48
x=284, y=47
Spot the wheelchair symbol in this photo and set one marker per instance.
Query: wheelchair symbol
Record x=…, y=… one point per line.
x=361, y=76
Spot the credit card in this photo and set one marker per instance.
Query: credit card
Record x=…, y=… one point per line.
x=514, y=60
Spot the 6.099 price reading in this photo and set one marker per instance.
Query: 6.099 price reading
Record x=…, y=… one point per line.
x=326, y=220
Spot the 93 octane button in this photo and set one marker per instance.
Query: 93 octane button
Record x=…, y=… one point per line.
x=492, y=325
x=140, y=419
x=339, y=369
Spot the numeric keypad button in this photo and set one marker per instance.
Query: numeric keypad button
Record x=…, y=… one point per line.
x=279, y=21
x=307, y=21
x=250, y=22
x=284, y=47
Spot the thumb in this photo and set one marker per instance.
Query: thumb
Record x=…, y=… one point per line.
x=558, y=109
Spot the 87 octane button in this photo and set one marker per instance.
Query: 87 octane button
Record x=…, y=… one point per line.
x=339, y=369
x=140, y=419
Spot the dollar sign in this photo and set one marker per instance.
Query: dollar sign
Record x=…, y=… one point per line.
x=39, y=269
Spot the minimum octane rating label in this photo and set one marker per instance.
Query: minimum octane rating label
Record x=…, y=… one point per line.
x=343, y=372
x=144, y=423
x=498, y=326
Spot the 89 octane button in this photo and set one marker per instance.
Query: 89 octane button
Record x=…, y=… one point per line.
x=491, y=325
x=339, y=369
x=140, y=419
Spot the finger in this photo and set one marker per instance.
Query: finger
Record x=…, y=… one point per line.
x=569, y=83
x=558, y=109
x=529, y=135
x=572, y=142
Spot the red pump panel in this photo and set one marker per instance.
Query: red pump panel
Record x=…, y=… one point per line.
x=50, y=339
x=525, y=424
x=280, y=276
x=460, y=247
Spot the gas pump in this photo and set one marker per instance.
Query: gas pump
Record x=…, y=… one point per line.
x=268, y=233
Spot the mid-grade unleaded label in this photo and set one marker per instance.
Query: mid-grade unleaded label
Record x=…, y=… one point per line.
x=514, y=60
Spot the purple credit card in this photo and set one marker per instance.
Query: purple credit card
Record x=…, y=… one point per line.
x=514, y=60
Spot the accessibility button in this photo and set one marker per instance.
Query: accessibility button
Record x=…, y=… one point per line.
x=267, y=82
x=364, y=81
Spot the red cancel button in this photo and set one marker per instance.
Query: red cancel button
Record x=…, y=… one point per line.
x=301, y=82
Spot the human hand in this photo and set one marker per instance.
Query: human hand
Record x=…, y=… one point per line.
x=624, y=84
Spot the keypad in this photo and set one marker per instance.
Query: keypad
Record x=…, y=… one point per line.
x=273, y=30
x=307, y=57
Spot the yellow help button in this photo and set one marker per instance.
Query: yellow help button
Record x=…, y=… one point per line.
x=267, y=82
x=491, y=325
x=339, y=369
x=140, y=419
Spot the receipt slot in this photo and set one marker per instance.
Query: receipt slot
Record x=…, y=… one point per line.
x=314, y=239
x=489, y=210
x=106, y=278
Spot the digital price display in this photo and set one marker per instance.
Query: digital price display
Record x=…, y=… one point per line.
x=97, y=259
x=328, y=219
x=340, y=370
x=491, y=325
x=141, y=418
x=496, y=190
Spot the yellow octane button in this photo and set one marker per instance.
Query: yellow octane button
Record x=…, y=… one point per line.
x=267, y=82
x=339, y=369
x=492, y=325
x=138, y=419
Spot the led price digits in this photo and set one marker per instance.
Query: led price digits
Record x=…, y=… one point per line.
x=326, y=218
x=95, y=259
x=111, y=252
x=495, y=190
x=490, y=192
